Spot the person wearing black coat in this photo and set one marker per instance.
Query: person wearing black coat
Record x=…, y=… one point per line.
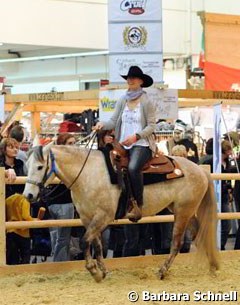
x=8, y=151
x=226, y=189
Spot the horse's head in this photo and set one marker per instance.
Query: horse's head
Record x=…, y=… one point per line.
x=41, y=170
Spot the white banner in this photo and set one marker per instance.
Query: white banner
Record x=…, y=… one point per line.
x=150, y=64
x=135, y=37
x=166, y=102
x=107, y=102
x=135, y=27
x=134, y=10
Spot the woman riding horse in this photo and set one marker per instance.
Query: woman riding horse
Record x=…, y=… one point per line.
x=134, y=124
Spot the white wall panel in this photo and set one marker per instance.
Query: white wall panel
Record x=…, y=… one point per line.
x=174, y=32
x=174, y=4
x=54, y=23
x=222, y=6
x=57, y=67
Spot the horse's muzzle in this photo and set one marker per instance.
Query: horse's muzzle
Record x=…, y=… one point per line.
x=30, y=197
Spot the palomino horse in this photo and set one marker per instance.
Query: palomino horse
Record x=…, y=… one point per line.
x=96, y=199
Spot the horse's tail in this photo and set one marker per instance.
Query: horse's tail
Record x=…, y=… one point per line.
x=206, y=240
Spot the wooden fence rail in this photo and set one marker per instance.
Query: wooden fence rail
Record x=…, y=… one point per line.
x=77, y=222
x=225, y=176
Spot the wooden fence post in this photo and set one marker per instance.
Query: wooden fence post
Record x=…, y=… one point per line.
x=2, y=218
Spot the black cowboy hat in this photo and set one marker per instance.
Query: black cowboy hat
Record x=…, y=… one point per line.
x=135, y=71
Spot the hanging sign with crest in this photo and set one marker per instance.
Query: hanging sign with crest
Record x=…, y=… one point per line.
x=135, y=37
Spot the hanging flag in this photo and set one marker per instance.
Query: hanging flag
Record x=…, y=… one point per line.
x=221, y=78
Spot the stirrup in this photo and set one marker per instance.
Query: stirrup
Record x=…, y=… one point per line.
x=135, y=212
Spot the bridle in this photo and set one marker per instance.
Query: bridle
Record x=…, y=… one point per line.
x=47, y=174
x=53, y=170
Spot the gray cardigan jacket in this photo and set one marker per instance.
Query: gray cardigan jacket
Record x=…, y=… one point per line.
x=148, y=120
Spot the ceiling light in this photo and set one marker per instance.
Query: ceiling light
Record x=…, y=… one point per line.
x=1, y=43
x=58, y=56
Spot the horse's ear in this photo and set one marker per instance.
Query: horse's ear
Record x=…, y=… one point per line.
x=36, y=141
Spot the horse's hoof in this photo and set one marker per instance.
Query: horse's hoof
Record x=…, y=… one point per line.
x=98, y=276
x=161, y=273
x=161, y=276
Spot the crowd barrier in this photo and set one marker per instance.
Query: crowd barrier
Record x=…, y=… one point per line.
x=77, y=222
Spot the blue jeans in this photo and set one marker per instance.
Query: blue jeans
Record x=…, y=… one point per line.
x=139, y=155
x=60, y=237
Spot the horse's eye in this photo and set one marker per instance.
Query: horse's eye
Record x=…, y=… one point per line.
x=40, y=167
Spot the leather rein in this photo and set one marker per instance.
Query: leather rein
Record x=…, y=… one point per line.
x=53, y=170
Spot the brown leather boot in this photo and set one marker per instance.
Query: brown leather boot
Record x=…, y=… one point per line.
x=135, y=212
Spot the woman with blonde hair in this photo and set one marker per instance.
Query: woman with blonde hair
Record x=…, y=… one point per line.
x=179, y=151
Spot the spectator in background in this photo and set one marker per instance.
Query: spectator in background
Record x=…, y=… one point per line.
x=17, y=133
x=179, y=151
x=234, y=139
x=226, y=189
x=191, y=147
x=17, y=207
x=6, y=131
x=178, y=132
x=10, y=174
x=8, y=158
x=60, y=207
x=209, y=152
x=226, y=192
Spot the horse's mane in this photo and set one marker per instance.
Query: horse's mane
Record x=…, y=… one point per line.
x=37, y=152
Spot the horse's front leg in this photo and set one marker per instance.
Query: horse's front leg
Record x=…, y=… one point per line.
x=90, y=264
x=94, y=229
x=97, y=243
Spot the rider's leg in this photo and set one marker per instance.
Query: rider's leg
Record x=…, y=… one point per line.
x=139, y=155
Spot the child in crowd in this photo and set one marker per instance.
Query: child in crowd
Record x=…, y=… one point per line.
x=18, y=241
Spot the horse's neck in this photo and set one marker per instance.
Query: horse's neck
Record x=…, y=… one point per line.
x=94, y=177
x=68, y=163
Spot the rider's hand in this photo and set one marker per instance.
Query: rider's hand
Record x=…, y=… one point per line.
x=98, y=126
x=10, y=175
x=108, y=139
x=129, y=140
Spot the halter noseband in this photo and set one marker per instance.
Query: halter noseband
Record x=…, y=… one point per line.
x=47, y=175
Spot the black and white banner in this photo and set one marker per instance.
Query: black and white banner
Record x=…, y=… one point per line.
x=135, y=37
